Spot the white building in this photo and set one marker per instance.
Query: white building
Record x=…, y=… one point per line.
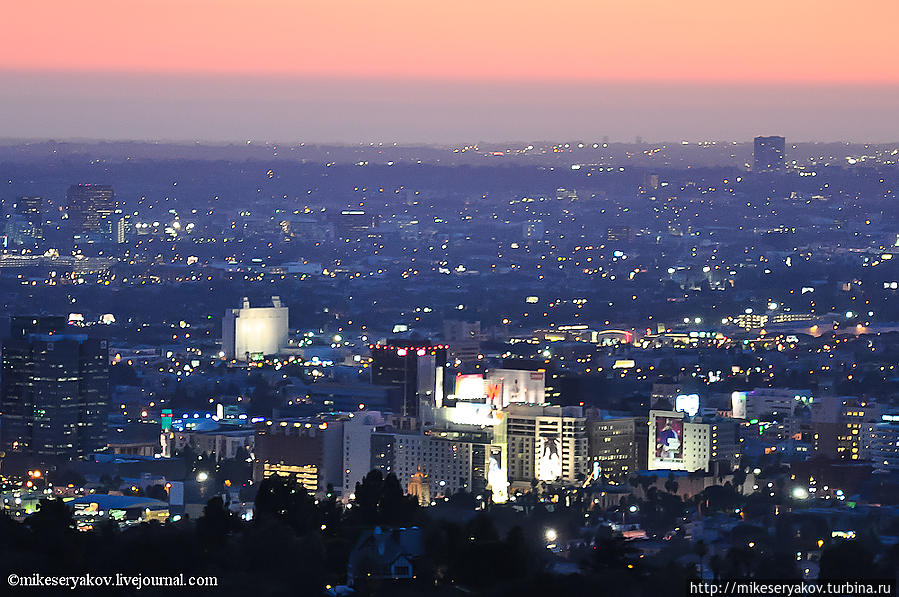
x=762, y=402
x=357, y=433
x=884, y=448
x=680, y=444
x=224, y=444
x=546, y=443
x=448, y=464
x=251, y=333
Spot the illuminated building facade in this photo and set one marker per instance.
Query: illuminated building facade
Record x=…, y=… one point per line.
x=546, y=443
x=251, y=333
x=777, y=404
x=516, y=386
x=447, y=463
x=309, y=451
x=839, y=424
x=884, y=443
x=223, y=445
x=678, y=443
x=357, y=451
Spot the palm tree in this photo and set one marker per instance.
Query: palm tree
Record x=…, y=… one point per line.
x=671, y=484
x=700, y=549
x=716, y=563
x=739, y=479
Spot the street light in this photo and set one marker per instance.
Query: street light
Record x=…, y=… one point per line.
x=800, y=493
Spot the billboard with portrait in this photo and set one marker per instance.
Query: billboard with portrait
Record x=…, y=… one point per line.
x=497, y=480
x=669, y=439
x=549, y=458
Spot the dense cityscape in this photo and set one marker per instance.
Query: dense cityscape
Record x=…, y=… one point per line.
x=485, y=369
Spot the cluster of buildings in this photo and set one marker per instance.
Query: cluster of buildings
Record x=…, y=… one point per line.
x=629, y=313
x=440, y=431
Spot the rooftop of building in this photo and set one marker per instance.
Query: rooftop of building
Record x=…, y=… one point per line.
x=119, y=502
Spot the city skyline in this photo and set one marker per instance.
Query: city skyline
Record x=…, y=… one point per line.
x=404, y=298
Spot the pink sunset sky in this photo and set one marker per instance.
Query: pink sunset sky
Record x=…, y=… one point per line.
x=447, y=71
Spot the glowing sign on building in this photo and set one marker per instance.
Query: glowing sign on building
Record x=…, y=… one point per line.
x=516, y=386
x=738, y=405
x=497, y=480
x=469, y=387
x=687, y=403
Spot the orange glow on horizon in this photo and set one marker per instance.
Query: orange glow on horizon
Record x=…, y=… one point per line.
x=802, y=41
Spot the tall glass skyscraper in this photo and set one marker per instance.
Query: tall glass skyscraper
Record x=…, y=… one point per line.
x=55, y=389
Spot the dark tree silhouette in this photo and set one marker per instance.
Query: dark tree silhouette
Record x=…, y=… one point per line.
x=847, y=559
x=380, y=500
x=282, y=499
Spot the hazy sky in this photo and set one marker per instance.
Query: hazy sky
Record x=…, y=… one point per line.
x=423, y=70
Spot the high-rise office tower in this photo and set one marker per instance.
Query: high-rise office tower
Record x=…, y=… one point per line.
x=91, y=207
x=415, y=367
x=618, y=446
x=32, y=209
x=124, y=224
x=840, y=426
x=768, y=154
x=54, y=391
x=543, y=442
x=446, y=465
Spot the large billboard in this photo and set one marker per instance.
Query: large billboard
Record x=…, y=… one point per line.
x=497, y=480
x=470, y=413
x=738, y=405
x=508, y=386
x=549, y=458
x=687, y=403
x=469, y=387
x=669, y=440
